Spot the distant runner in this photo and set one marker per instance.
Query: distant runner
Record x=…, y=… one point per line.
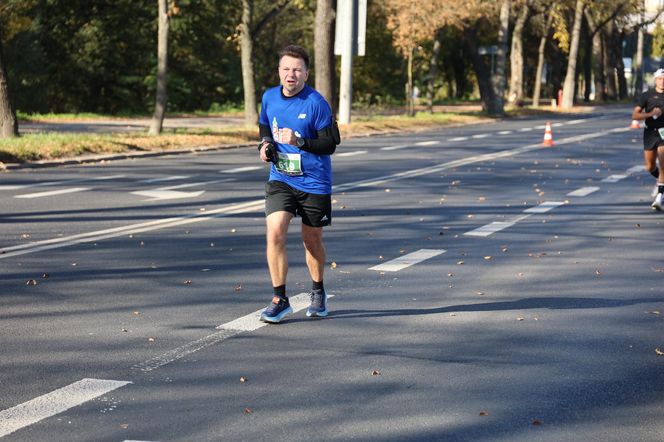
x=649, y=107
x=298, y=136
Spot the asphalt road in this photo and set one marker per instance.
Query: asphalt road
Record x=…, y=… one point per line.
x=485, y=288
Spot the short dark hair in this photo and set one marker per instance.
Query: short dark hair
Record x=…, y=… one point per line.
x=295, y=51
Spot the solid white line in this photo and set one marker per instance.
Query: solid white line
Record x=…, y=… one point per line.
x=241, y=169
x=458, y=139
x=351, y=154
x=258, y=205
x=52, y=192
x=427, y=143
x=200, y=183
x=246, y=323
x=406, y=261
x=57, y=401
x=395, y=147
x=614, y=178
x=544, y=207
x=168, y=178
x=583, y=191
x=504, y=132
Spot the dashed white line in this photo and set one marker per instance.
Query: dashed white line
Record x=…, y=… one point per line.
x=584, y=191
x=614, y=178
x=241, y=169
x=544, y=207
x=351, y=154
x=480, y=136
x=408, y=260
x=395, y=147
x=635, y=169
x=52, y=192
x=55, y=402
x=427, y=143
x=57, y=183
x=504, y=132
x=168, y=178
x=494, y=227
x=525, y=129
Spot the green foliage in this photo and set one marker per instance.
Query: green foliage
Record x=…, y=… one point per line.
x=658, y=41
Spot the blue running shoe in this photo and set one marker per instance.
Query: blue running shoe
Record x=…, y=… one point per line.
x=276, y=311
x=318, y=307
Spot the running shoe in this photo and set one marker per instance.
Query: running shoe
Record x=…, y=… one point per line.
x=655, y=191
x=276, y=311
x=657, y=204
x=318, y=305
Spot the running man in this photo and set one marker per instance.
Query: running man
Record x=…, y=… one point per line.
x=298, y=134
x=649, y=107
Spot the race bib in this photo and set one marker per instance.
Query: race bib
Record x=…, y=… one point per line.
x=289, y=164
x=661, y=132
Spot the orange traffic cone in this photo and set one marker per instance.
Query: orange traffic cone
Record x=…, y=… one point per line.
x=548, y=135
x=635, y=124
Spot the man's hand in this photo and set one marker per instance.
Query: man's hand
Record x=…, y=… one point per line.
x=267, y=152
x=656, y=112
x=287, y=136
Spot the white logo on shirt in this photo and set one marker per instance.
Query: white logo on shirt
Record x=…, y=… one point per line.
x=302, y=116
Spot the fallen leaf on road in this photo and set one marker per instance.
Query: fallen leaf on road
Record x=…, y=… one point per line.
x=387, y=190
x=243, y=379
x=484, y=413
x=450, y=274
x=151, y=339
x=375, y=373
x=137, y=313
x=124, y=330
x=488, y=258
x=238, y=288
x=333, y=265
x=537, y=422
x=31, y=282
x=460, y=263
x=187, y=281
x=659, y=352
x=658, y=270
x=233, y=230
x=248, y=411
x=124, y=426
x=45, y=275
x=654, y=312
x=520, y=319
x=638, y=225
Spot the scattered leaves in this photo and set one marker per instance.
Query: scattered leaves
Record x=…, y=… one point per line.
x=243, y=379
x=375, y=373
x=187, y=281
x=333, y=265
x=31, y=282
x=659, y=352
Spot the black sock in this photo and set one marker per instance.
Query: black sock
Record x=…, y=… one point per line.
x=280, y=292
x=660, y=189
x=655, y=172
x=317, y=285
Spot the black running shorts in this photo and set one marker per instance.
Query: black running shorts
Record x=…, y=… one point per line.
x=315, y=210
x=651, y=139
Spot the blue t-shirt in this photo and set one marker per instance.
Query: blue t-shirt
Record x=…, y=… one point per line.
x=305, y=114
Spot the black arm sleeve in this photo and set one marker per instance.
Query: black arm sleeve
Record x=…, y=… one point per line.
x=323, y=145
x=264, y=131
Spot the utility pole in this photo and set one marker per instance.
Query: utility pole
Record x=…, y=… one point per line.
x=349, y=41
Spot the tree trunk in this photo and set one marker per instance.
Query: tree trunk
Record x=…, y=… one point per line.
x=497, y=104
x=610, y=62
x=433, y=71
x=587, y=64
x=479, y=66
x=638, y=64
x=515, y=94
x=540, y=61
x=620, y=67
x=410, y=102
x=8, y=120
x=598, y=60
x=247, y=50
x=324, y=50
x=162, y=70
x=570, y=76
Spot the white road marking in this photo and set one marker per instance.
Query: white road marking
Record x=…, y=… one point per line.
x=556, y=124
x=351, y=154
x=544, y=207
x=525, y=129
x=614, y=178
x=480, y=136
x=55, y=402
x=494, y=227
x=458, y=139
x=241, y=169
x=408, y=260
x=168, y=178
x=395, y=147
x=52, y=192
x=159, y=195
x=635, y=169
x=504, y=132
x=246, y=323
x=584, y=191
x=258, y=205
x=576, y=121
x=427, y=143
x=57, y=183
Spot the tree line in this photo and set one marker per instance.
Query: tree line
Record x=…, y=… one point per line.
x=127, y=57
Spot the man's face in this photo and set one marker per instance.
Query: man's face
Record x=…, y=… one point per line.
x=293, y=74
x=659, y=83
